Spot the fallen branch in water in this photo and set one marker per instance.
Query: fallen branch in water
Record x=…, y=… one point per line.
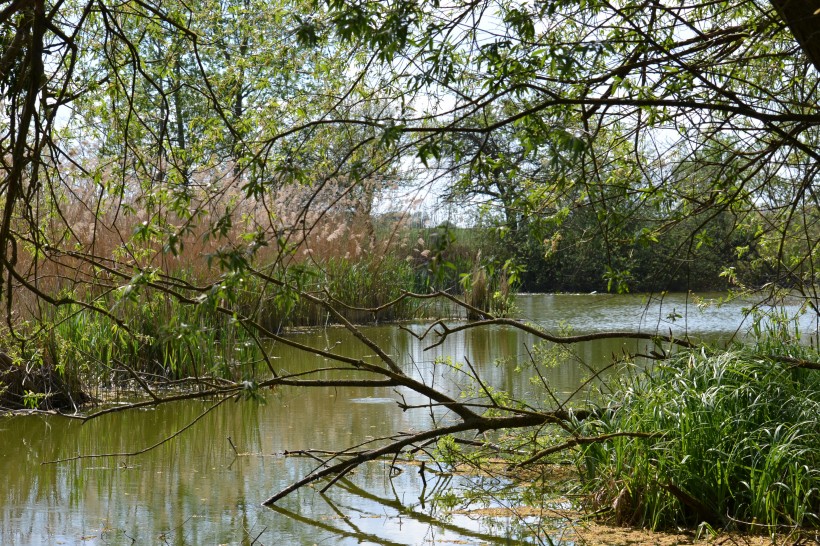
x=477, y=425
x=446, y=331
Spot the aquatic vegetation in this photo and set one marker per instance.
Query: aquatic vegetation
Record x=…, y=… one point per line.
x=733, y=440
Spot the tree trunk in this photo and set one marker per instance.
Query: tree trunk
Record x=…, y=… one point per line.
x=803, y=19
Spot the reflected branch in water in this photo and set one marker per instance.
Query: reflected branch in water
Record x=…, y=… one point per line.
x=394, y=505
x=342, y=516
x=149, y=448
x=421, y=517
x=339, y=533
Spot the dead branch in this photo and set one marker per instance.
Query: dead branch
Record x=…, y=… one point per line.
x=477, y=425
x=539, y=333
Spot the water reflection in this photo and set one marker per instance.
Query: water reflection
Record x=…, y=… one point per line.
x=389, y=517
x=696, y=315
x=195, y=490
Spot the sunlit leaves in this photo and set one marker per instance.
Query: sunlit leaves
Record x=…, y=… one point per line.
x=617, y=281
x=384, y=26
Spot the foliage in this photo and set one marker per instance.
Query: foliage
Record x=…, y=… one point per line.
x=576, y=259
x=182, y=341
x=735, y=444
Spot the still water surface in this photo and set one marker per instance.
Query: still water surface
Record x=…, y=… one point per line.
x=194, y=490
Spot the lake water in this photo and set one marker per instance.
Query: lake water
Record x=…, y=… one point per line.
x=195, y=490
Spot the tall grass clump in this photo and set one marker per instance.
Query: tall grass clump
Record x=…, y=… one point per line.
x=159, y=337
x=733, y=440
x=490, y=290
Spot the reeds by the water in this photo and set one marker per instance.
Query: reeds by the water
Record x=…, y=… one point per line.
x=737, y=443
x=138, y=291
x=162, y=336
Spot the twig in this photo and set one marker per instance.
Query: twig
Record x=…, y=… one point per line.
x=583, y=441
x=480, y=382
x=147, y=449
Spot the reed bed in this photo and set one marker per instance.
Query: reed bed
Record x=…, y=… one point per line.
x=317, y=242
x=736, y=443
x=354, y=287
x=163, y=338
